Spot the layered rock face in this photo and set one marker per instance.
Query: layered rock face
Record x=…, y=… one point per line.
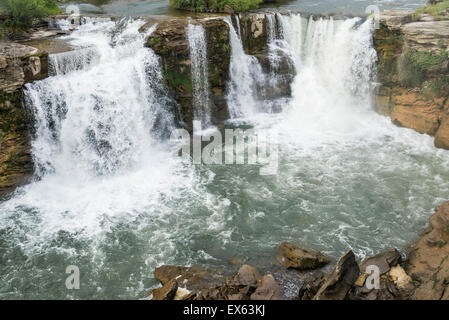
x=19, y=64
x=414, y=73
x=428, y=262
x=169, y=41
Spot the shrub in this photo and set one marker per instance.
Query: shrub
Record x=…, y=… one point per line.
x=215, y=5
x=22, y=14
x=439, y=10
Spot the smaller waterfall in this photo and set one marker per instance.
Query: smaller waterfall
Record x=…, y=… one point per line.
x=291, y=32
x=196, y=36
x=244, y=72
x=65, y=62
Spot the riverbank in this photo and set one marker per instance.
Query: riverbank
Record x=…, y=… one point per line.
x=418, y=273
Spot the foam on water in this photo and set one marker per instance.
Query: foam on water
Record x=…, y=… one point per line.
x=110, y=197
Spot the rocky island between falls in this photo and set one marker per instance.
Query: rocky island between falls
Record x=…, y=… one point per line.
x=413, y=76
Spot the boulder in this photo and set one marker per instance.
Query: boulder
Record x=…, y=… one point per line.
x=189, y=278
x=268, y=289
x=428, y=262
x=340, y=280
x=301, y=258
x=442, y=135
x=245, y=276
x=167, y=291
x=384, y=261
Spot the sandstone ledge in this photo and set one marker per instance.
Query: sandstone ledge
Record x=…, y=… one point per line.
x=414, y=73
x=19, y=64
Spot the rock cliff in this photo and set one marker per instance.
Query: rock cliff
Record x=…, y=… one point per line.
x=414, y=73
x=19, y=64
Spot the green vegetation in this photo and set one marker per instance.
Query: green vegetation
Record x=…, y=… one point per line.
x=415, y=66
x=22, y=14
x=215, y=5
x=439, y=11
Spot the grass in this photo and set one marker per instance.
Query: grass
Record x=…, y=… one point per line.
x=439, y=11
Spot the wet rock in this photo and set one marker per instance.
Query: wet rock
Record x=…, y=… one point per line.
x=167, y=291
x=169, y=41
x=384, y=260
x=442, y=135
x=268, y=289
x=340, y=280
x=189, y=278
x=300, y=258
x=253, y=27
x=310, y=288
x=19, y=64
x=184, y=294
x=245, y=276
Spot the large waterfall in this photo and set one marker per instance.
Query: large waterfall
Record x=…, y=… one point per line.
x=110, y=196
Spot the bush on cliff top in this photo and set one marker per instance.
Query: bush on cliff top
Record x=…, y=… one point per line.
x=215, y=5
x=439, y=10
x=22, y=14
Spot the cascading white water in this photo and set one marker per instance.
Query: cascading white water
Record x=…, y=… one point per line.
x=65, y=62
x=91, y=121
x=291, y=30
x=112, y=200
x=244, y=72
x=196, y=36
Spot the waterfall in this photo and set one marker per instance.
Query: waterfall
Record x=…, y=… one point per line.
x=65, y=62
x=110, y=197
x=291, y=30
x=99, y=118
x=244, y=72
x=196, y=36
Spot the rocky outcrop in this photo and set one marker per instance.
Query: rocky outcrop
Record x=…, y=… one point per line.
x=170, y=43
x=413, y=71
x=299, y=258
x=428, y=262
x=338, y=283
x=19, y=64
x=197, y=283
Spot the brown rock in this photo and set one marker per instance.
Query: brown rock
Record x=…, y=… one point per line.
x=340, y=280
x=190, y=278
x=442, y=135
x=295, y=257
x=268, y=289
x=428, y=261
x=310, y=288
x=246, y=276
x=424, y=119
x=384, y=260
x=167, y=291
